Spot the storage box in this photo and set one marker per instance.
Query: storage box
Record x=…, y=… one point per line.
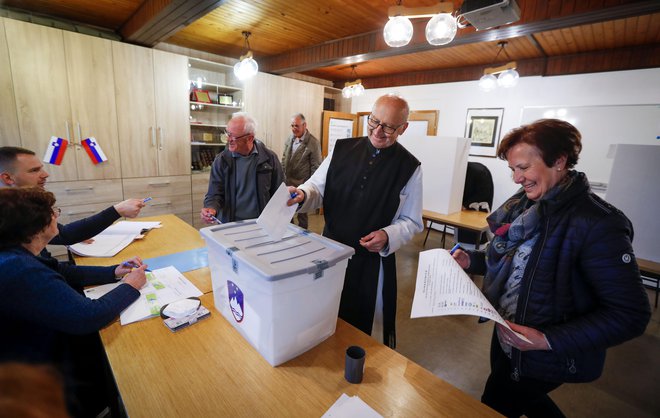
x=283, y=296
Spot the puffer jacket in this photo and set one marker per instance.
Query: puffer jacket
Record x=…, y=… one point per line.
x=221, y=194
x=581, y=287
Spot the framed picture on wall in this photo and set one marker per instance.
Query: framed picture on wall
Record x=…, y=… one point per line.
x=483, y=127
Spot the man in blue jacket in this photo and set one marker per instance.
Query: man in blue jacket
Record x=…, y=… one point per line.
x=243, y=177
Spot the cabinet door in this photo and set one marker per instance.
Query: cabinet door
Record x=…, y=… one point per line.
x=9, y=134
x=172, y=113
x=134, y=93
x=40, y=84
x=92, y=92
x=255, y=91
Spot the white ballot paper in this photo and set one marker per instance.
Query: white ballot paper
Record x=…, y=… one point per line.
x=350, y=407
x=443, y=288
x=113, y=239
x=276, y=215
x=163, y=286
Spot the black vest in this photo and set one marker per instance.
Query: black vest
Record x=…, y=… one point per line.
x=362, y=188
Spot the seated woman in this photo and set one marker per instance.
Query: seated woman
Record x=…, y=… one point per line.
x=38, y=304
x=560, y=268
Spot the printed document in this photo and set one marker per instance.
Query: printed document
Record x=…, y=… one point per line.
x=349, y=407
x=443, y=288
x=276, y=215
x=113, y=239
x=163, y=286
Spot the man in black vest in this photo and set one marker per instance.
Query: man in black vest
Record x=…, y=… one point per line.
x=371, y=192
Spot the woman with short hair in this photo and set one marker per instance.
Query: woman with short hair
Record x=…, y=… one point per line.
x=560, y=269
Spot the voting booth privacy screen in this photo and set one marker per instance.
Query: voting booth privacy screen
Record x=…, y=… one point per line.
x=283, y=296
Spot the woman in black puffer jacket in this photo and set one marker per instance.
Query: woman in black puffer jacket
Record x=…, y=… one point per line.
x=560, y=269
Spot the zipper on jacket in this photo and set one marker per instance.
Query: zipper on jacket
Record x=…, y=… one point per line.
x=515, y=375
x=517, y=353
x=571, y=366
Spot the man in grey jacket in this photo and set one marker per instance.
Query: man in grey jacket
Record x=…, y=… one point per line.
x=301, y=158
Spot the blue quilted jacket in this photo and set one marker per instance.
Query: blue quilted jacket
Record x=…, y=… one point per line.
x=581, y=287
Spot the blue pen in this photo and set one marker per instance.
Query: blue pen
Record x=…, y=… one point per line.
x=454, y=248
x=215, y=219
x=293, y=195
x=132, y=265
x=147, y=199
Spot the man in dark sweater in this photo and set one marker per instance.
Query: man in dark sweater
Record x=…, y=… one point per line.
x=20, y=167
x=371, y=192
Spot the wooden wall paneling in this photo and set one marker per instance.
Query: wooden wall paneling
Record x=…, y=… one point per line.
x=134, y=91
x=172, y=113
x=9, y=132
x=38, y=70
x=94, y=112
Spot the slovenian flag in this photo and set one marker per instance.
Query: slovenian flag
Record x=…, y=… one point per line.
x=56, y=150
x=94, y=150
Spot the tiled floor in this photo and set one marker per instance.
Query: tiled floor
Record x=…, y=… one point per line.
x=455, y=348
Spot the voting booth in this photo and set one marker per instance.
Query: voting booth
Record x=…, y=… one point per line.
x=282, y=296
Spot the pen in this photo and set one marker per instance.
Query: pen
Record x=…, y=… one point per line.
x=132, y=265
x=454, y=248
x=293, y=195
x=147, y=199
x=215, y=219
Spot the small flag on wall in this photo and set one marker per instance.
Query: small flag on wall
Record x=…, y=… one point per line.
x=55, y=151
x=94, y=150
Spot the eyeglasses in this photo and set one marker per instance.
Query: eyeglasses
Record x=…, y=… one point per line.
x=236, y=138
x=57, y=211
x=375, y=123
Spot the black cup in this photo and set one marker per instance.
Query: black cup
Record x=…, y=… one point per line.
x=354, y=369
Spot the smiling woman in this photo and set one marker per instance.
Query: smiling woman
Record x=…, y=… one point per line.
x=560, y=269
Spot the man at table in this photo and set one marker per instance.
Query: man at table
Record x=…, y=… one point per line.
x=243, y=177
x=20, y=167
x=371, y=192
x=301, y=157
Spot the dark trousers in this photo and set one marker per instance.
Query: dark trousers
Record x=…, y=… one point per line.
x=514, y=398
x=302, y=220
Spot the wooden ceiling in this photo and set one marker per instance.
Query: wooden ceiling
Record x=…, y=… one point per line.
x=322, y=38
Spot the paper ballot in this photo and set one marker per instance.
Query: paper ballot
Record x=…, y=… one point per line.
x=349, y=407
x=113, y=239
x=163, y=286
x=277, y=215
x=443, y=288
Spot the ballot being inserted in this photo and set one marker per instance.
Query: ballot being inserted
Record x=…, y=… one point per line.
x=163, y=286
x=276, y=215
x=443, y=288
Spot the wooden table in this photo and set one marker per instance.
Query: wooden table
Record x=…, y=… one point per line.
x=468, y=219
x=209, y=369
x=651, y=271
x=174, y=236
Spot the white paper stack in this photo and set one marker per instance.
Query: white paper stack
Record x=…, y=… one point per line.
x=113, y=239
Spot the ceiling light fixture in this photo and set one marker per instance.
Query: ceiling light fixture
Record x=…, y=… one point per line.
x=440, y=30
x=508, y=76
x=353, y=88
x=246, y=67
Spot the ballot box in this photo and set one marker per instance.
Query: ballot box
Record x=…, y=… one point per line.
x=282, y=296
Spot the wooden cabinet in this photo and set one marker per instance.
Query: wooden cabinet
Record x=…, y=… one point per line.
x=285, y=98
x=169, y=194
x=208, y=119
x=9, y=134
x=151, y=88
x=63, y=87
x=200, y=185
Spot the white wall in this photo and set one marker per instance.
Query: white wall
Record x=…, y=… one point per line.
x=453, y=100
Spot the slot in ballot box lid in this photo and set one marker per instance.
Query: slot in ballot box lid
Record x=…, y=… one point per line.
x=299, y=252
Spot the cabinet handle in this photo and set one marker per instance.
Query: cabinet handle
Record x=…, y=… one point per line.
x=79, y=189
x=152, y=134
x=160, y=142
x=163, y=184
x=79, y=134
x=68, y=132
x=162, y=204
x=84, y=212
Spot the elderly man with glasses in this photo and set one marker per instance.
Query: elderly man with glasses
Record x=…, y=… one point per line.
x=371, y=192
x=243, y=177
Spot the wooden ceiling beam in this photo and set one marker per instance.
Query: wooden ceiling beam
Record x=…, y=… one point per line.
x=157, y=20
x=619, y=59
x=370, y=45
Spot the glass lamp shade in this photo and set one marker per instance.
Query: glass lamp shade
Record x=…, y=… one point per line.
x=246, y=68
x=358, y=90
x=487, y=82
x=398, y=31
x=508, y=78
x=346, y=93
x=441, y=29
